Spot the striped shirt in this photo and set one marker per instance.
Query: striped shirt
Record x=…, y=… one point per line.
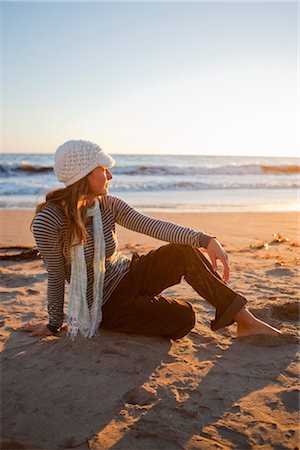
x=50, y=227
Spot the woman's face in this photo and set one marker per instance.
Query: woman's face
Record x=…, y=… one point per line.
x=98, y=181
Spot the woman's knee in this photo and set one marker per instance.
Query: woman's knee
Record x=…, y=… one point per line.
x=178, y=248
x=180, y=252
x=181, y=247
x=183, y=251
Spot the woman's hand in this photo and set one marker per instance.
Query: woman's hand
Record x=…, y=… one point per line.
x=215, y=252
x=37, y=329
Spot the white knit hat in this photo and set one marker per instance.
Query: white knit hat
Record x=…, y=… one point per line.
x=77, y=158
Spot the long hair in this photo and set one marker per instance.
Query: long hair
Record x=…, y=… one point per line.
x=73, y=201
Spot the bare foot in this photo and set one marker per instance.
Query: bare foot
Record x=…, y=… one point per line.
x=249, y=325
x=259, y=327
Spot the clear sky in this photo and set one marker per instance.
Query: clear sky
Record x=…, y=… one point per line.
x=171, y=78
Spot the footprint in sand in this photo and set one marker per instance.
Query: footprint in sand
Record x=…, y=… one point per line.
x=139, y=396
x=286, y=311
x=290, y=400
x=280, y=272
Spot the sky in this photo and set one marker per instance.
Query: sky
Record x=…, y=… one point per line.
x=200, y=78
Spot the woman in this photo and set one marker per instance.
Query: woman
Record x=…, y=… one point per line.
x=75, y=233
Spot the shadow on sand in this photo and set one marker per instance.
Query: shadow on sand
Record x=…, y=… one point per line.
x=62, y=394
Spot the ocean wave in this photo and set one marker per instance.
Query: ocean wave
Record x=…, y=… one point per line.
x=287, y=170
x=118, y=187
x=195, y=186
x=27, y=168
x=24, y=167
x=206, y=169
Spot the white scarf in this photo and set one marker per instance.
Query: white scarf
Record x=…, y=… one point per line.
x=79, y=317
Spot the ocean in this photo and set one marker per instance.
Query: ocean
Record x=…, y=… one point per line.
x=167, y=183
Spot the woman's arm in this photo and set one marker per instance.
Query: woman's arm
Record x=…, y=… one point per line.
x=129, y=218
x=46, y=228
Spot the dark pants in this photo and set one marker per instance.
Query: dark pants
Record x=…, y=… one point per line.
x=135, y=306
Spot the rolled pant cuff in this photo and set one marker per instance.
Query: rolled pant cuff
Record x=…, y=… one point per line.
x=227, y=318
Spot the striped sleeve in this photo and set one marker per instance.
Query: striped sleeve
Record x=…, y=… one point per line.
x=129, y=218
x=46, y=229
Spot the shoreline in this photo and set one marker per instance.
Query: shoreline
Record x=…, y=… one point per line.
x=232, y=228
x=187, y=201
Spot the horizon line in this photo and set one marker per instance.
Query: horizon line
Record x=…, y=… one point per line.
x=169, y=154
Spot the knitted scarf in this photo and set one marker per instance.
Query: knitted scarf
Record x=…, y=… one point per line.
x=79, y=316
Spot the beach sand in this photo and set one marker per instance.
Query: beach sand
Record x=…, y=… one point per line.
x=206, y=391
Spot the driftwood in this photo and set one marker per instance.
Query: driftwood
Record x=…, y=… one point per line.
x=19, y=253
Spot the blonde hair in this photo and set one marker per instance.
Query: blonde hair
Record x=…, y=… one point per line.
x=73, y=201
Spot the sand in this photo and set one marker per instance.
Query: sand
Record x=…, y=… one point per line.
x=206, y=391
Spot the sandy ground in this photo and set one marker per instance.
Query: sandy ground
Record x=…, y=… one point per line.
x=206, y=391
